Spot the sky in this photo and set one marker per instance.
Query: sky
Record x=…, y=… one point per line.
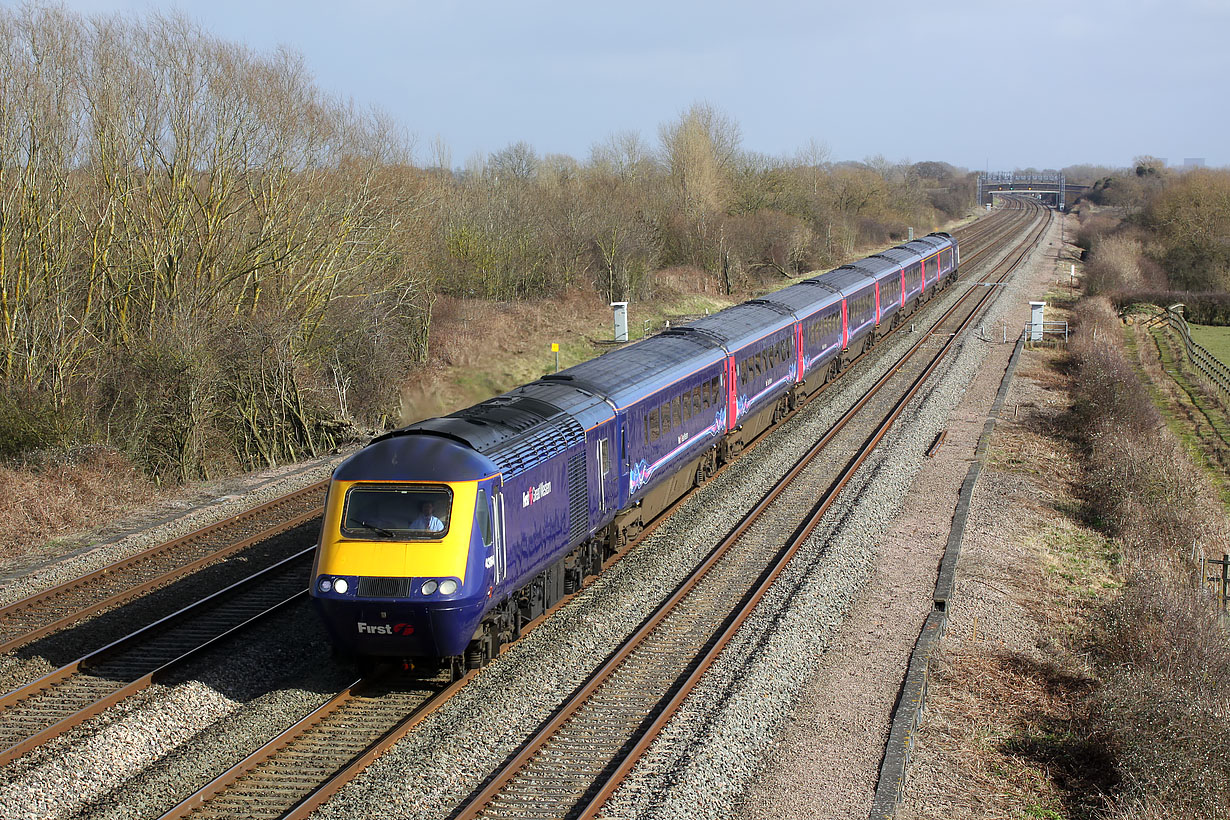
x=983, y=84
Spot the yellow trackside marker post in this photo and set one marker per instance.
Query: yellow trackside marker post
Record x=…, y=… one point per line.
x=555, y=350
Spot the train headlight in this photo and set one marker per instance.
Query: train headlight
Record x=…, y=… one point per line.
x=430, y=587
x=340, y=586
x=325, y=585
x=448, y=587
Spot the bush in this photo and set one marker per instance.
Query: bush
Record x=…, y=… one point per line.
x=1164, y=663
x=1166, y=673
x=29, y=421
x=1199, y=308
x=1115, y=264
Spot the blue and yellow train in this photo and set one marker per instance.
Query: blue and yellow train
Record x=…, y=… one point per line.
x=443, y=538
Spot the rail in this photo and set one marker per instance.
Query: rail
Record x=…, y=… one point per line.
x=577, y=760
x=278, y=775
x=51, y=610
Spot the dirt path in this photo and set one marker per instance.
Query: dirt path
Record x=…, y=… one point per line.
x=826, y=761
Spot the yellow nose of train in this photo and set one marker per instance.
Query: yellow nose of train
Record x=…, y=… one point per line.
x=401, y=569
x=380, y=530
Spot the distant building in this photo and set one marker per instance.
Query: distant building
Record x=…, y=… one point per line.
x=1193, y=162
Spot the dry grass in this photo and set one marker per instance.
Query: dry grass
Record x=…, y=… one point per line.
x=1025, y=734
x=1164, y=663
x=1109, y=699
x=63, y=493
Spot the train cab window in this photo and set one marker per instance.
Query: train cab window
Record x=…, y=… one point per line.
x=655, y=429
x=483, y=516
x=397, y=512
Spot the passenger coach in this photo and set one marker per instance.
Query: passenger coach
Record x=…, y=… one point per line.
x=443, y=538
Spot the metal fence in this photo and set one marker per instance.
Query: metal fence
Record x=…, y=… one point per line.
x=1050, y=333
x=1215, y=372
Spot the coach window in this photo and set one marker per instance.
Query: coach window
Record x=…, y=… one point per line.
x=704, y=393
x=646, y=427
x=678, y=414
x=696, y=400
x=655, y=429
x=483, y=514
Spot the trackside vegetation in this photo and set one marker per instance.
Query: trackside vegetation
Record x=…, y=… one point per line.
x=1162, y=660
x=207, y=264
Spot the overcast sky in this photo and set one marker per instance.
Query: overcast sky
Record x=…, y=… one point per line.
x=978, y=83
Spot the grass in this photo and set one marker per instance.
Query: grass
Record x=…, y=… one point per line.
x=1214, y=339
x=1190, y=412
x=64, y=493
x=1083, y=560
x=486, y=349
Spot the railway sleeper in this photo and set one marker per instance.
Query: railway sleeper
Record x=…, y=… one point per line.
x=566, y=576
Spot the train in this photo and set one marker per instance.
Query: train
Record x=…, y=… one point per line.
x=444, y=538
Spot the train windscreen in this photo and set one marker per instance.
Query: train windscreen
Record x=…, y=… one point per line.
x=397, y=512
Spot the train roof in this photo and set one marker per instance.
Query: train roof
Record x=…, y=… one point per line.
x=804, y=298
x=522, y=427
x=397, y=456
x=930, y=243
x=849, y=279
x=621, y=374
x=898, y=256
x=740, y=325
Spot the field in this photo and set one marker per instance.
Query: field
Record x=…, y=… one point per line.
x=1215, y=339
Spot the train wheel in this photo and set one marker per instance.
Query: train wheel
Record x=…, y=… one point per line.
x=706, y=468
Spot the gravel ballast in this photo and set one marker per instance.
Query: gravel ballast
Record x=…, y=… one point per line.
x=792, y=722
x=429, y=773
x=701, y=765
x=141, y=757
x=68, y=558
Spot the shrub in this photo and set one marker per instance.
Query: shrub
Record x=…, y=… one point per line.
x=29, y=421
x=1164, y=663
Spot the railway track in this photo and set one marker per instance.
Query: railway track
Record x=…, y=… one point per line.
x=32, y=714
x=36, y=616
x=295, y=772
x=43, y=613
x=576, y=761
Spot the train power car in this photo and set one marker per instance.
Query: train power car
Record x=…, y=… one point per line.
x=443, y=538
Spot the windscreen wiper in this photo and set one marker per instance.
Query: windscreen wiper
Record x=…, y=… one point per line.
x=374, y=528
